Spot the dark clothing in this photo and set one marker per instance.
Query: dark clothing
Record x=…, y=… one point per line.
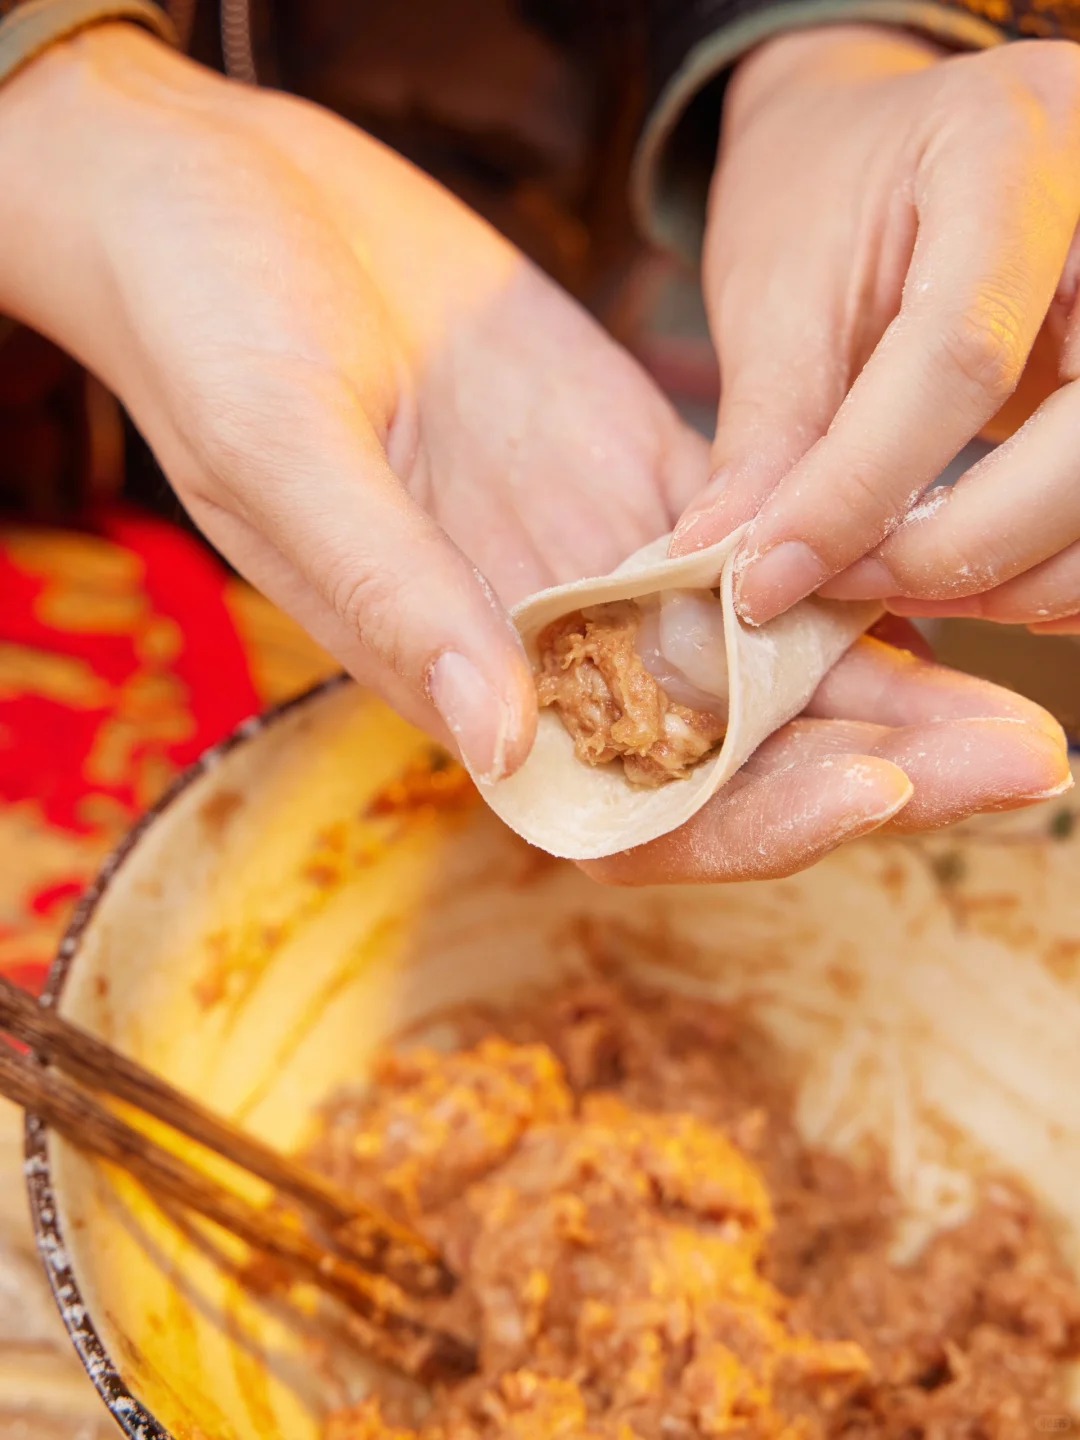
x=574, y=126
x=543, y=113
x=553, y=116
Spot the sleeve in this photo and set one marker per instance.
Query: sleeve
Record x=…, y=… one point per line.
x=693, y=44
x=44, y=458
x=28, y=27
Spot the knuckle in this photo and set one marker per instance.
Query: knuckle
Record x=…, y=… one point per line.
x=258, y=416
x=1030, y=96
x=197, y=485
x=862, y=488
x=1062, y=89
x=944, y=566
x=370, y=603
x=224, y=428
x=983, y=346
x=862, y=514
x=1023, y=81
x=1054, y=63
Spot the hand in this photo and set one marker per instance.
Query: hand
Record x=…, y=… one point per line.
x=370, y=401
x=891, y=260
x=359, y=391
x=890, y=742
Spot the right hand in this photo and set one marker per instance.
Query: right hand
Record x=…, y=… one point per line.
x=893, y=261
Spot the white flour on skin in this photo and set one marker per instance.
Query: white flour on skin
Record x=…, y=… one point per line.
x=854, y=777
x=929, y=506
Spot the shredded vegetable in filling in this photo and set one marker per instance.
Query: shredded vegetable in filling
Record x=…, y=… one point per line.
x=648, y=1251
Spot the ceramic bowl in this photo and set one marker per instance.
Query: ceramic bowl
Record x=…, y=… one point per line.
x=321, y=881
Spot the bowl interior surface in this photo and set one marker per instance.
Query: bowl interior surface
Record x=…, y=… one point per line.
x=315, y=889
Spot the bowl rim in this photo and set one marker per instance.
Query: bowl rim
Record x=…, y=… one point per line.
x=135, y=1420
x=132, y=1416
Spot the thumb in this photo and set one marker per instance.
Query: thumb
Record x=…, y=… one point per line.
x=783, y=374
x=311, y=513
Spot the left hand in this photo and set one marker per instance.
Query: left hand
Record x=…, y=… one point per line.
x=891, y=264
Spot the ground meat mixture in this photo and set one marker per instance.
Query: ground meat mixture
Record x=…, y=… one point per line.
x=611, y=705
x=648, y=1251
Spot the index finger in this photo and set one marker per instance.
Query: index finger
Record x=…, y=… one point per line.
x=992, y=240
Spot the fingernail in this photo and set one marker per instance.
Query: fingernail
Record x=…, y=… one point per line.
x=476, y=716
x=771, y=582
x=868, y=579
x=1055, y=790
x=969, y=606
x=709, y=520
x=693, y=532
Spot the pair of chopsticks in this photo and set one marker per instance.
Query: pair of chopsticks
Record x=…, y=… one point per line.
x=361, y=1257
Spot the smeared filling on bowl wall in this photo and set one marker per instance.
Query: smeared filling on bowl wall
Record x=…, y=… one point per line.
x=641, y=682
x=647, y=1250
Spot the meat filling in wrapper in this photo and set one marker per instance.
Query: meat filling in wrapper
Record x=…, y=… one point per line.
x=653, y=692
x=643, y=682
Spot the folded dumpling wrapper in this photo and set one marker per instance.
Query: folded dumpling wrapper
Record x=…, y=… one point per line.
x=579, y=811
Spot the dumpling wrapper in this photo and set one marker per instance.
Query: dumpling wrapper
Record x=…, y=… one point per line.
x=578, y=811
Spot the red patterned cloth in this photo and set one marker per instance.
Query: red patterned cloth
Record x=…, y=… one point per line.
x=120, y=661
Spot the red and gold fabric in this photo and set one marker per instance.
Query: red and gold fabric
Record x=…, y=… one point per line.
x=125, y=650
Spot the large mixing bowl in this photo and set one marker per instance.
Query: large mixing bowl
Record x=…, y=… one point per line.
x=315, y=884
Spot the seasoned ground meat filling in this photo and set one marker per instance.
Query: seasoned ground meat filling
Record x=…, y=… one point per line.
x=611, y=705
x=648, y=1251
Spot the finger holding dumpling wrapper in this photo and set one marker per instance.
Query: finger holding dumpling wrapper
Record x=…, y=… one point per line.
x=888, y=727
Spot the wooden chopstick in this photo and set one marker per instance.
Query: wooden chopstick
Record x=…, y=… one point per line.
x=420, y=1349
x=358, y=1232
